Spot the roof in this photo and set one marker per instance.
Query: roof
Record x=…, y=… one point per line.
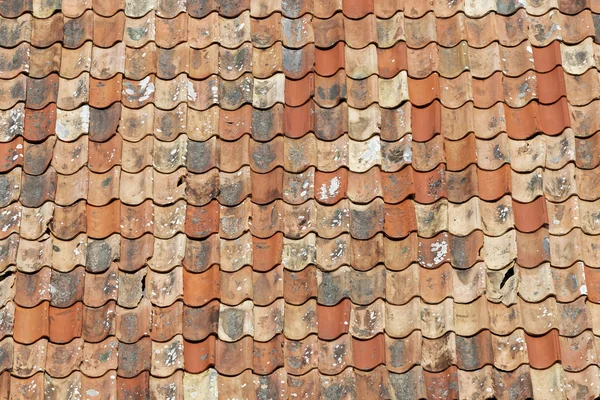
x=333, y=199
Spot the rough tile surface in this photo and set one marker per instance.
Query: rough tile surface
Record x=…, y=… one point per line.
x=303, y=199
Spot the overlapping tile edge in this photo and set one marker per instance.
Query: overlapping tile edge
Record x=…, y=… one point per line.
x=299, y=199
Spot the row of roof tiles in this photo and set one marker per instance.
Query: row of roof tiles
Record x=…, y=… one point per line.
x=162, y=359
x=233, y=287
x=326, y=92
x=529, y=249
x=362, y=221
x=63, y=318
x=296, y=33
x=136, y=64
x=265, y=253
x=505, y=353
x=411, y=155
x=93, y=316
x=292, y=9
x=326, y=123
x=524, y=382
x=356, y=81
x=544, y=191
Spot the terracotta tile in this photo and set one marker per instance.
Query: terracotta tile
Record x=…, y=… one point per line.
x=108, y=63
x=375, y=383
x=333, y=321
x=301, y=356
x=12, y=122
x=17, y=30
x=33, y=255
x=530, y=216
x=97, y=322
x=327, y=32
x=392, y=60
x=547, y=57
x=35, y=190
x=135, y=358
x=73, y=31
x=169, y=156
x=227, y=356
x=439, y=384
x=551, y=349
x=423, y=62
x=72, y=93
x=99, y=358
x=551, y=93
x=268, y=356
x=358, y=93
x=236, y=287
x=438, y=353
x=11, y=220
x=29, y=359
x=139, y=31
x=66, y=254
x=12, y=180
x=19, y=61
x=172, y=385
x=231, y=10
x=164, y=289
x=12, y=154
x=141, y=62
x=103, y=187
x=69, y=221
x=70, y=156
x=46, y=31
x=575, y=379
x=32, y=386
x=199, y=355
x=31, y=324
x=412, y=349
x=135, y=94
x=451, y=30
x=40, y=92
x=71, y=8
x=70, y=287
x=10, y=10
x=32, y=289
x=108, y=31
x=298, y=62
x=200, y=322
x=8, y=286
x=9, y=247
x=132, y=387
x=135, y=252
x=133, y=324
x=170, y=8
x=195, y=297
x=102, y=287
x=35, y=222
x=369, y=353
x=329, y=61
x=62, y=359
x=360, y=32
x=56, y=388
x=138, y=9
x=579, y=87
x=232, y=387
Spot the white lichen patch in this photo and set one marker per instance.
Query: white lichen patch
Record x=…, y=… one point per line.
x=331, y=190
x=440, y=249
x=192, y=95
